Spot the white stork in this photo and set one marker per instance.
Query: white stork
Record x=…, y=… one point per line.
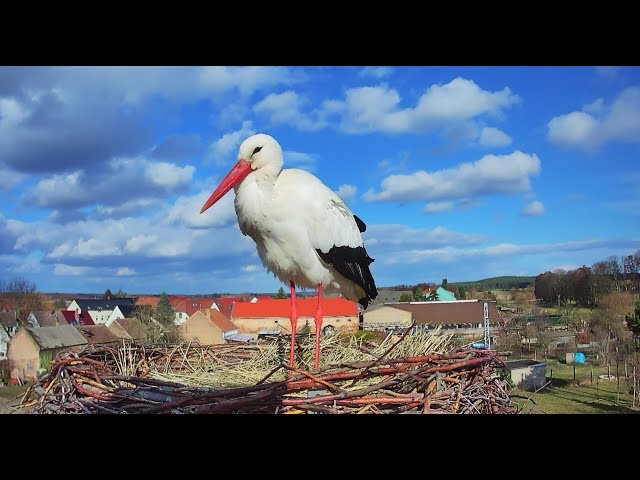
x=304, y=232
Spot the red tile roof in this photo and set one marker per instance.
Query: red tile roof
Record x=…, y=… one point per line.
x=222, y=322
x=70, y=317
x=331, y=306
x=148, y=300
x=190, y=305
x=225, y=303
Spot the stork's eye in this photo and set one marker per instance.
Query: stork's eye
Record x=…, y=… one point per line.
x=256, y=150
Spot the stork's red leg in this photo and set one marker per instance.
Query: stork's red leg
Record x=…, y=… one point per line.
x=294, y=323
x=318, y=325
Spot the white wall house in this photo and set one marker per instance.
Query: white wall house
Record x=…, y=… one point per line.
x=99, y=309
x=4, y=343
x=121, y=311
x=181, y=317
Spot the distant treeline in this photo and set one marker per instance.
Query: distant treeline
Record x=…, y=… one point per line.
x=497, y=283
x=587, y=285
x=493, y=283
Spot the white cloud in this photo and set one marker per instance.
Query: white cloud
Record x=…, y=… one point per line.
x=450, y=254
x=533, y=209
x=596, y=107
x=140, y=242
x=492, y=137
x=62, y=269
x=399, y=237
x=376, y=72
x=246, y=79
x=573, y=129
x=12, y=113
x=127, y=184
x=9, y=178
x=85, y=248
x=598, y=123
x=186, y=210
x=306, y=161
x=346, y=192
x=168, y=175
x=125, y=272
x=286, y=109
x=252, y=268
x=222, y=148
x=463, y=98
x=608, y=71
x=492, y=174
x=378, y=109
x=435, y=207
x=565, y=268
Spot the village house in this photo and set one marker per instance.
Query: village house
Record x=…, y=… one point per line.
x=465, y=317
x=205, y=329
x=128, y=329
x=75, y=317
x=100, y=309
x=273, y=315
x=442, y=294
x=185, y=307
x=9, y=321
x=151, y=300
x=46, y=318
x=225, y=305
x=121, y=311
x=98, y=335
x=4, y=343
x=32, y=349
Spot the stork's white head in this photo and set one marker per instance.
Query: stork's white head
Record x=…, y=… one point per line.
x=261, y=150
x=256, y=152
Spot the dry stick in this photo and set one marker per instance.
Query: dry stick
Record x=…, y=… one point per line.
x=399, y=369
x=383, y=355
x=274, y=370
x=329, y=385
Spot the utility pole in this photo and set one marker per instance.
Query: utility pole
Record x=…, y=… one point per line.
x=485, y=315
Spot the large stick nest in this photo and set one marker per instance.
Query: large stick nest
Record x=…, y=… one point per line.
x=412, y=374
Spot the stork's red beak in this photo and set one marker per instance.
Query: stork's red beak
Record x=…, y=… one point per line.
x=236, y=175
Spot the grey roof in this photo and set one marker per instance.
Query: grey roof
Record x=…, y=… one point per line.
x=97, y=334
x=129, y=311
x=56, y=337
x=386, y=295
x=8, y=318
x=133, y=327
x=46, y=319
x=103, y=303
x=241, y=337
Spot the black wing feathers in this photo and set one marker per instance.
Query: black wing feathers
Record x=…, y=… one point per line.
x=361, y=225
x=353, y=264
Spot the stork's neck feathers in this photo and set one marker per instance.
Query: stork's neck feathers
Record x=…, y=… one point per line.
x=254, y=197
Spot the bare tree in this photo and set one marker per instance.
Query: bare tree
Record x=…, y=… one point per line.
x=21, y=295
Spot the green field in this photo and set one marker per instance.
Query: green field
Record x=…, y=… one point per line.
x=582, y=395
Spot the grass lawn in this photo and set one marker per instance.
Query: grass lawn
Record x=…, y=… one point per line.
x=564, y=395
x=551, y=310
x=11, y=395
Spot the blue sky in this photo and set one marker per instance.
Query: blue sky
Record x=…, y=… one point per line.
x=458, y=172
